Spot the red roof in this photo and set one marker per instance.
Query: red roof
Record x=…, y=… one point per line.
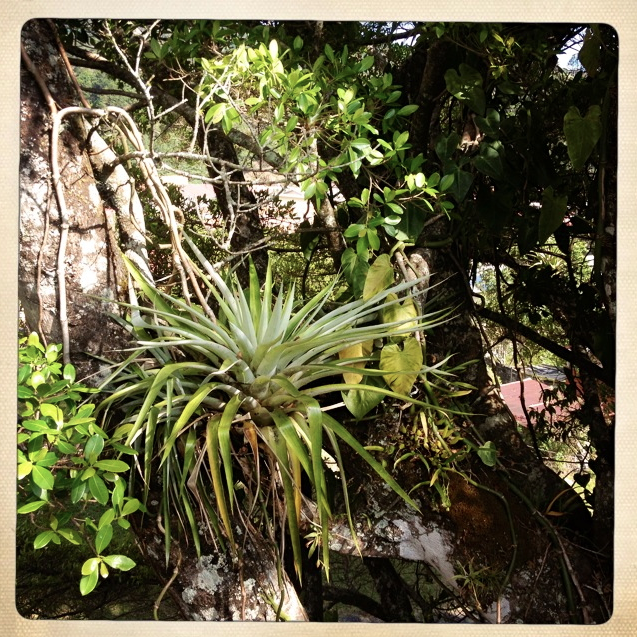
x=511, y=392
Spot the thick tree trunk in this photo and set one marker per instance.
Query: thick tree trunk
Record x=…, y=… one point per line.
x=92, y=264
x=212, y=586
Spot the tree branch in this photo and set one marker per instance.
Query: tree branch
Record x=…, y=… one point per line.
x=566, y=354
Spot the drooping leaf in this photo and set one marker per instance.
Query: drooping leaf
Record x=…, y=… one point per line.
x=89, y=582
x=358, y=350
x=379, y=277
x=551, y=215
x=590, y=53
x=360, y=402
x=355, y=269
x=103, y=537
x=489, y=161
x=403, y=362
x=488, y=453
x=399, y=312
x=582, y=134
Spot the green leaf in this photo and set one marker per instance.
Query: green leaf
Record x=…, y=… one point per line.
x=355, y=269
x=216, y=113
x=582, y=134
x=403, y=364
x=69, y=372
x=590, y=53
x=42, y=477
x=52, y=411
x=89, y=582
x=379, y=277
x=551, y=215
x=24, y=469
x=399, y=312
x=114, y=466
x=43, y=539
x=94, y=446
x=488, y=454
x=131, y=506
x=489, y=161
x=71, y=536
x=298, y=43
x=121, y=562
x=30, y=507
x=103, y=537
x=408, y=110
x=107, y=517
x=360, y=402
x=98, y=489
x=446, y=182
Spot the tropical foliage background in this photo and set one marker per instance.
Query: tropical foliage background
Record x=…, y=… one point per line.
x=273, y=275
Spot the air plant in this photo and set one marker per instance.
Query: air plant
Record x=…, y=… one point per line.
x=255, y=368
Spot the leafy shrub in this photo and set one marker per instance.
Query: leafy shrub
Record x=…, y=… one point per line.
x=66, y=467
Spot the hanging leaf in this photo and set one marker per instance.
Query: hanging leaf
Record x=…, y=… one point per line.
x=489, y=161
x=360, y=402
x=488, y=453
x=358, y=350
x=551, y=215
x=590, y=53
x=403, y=363
x=467, y=87
x=582, y=134
x=399, y=312
x=379, y=277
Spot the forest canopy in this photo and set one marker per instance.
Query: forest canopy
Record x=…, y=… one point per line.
x=276, y=280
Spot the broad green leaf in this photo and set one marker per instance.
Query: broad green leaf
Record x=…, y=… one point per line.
x=551, y=215
x=103, y=537
x=582, y=134
x=70, y=535
x=355, y=269
x=590, y=53
x=42, y=477
x=488, y=453
x=489, y=161
x=467, y=87
x=360, y=402
x=399, y=312
x=379, y=277
x=408, y=110
x=121, y=562
x=69, y=372
x=114, y=466
x=98, y=489
x=490, y=123
x=403, y=364
x=358, y=350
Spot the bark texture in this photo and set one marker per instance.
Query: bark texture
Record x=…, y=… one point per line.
x=92, y=260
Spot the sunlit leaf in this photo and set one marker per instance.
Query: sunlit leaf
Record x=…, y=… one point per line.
x=403, y=362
